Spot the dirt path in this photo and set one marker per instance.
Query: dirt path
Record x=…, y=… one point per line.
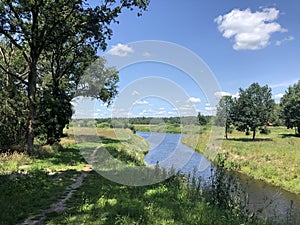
x=60, y=206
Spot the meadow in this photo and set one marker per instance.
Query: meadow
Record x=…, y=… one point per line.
x=273, y=158
x=30, y=184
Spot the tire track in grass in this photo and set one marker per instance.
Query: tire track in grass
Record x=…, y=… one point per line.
x=60, y=206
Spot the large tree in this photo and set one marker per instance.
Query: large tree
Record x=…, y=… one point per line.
x=253, y=108
x=12, y=99
x=290, y=105
x=39, y=27
x=225, y=113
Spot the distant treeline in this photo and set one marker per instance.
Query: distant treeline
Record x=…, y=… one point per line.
x=127, y=122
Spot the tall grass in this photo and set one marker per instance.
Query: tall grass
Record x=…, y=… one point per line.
x=273, y=158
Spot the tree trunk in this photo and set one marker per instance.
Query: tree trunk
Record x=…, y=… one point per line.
x=226, y=131
x=254, y=133
x=32, y=107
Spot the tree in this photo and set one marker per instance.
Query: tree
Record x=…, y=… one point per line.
x=225, y=113
x=202, y=120
x=38, y=27
x=12, y=99
x=276, y=118
x=253, y=108
x=290, y=105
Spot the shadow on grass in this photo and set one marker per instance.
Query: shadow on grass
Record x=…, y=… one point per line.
x=105, y=202
x=105, y=140
x=289, y=135
x=23, y=195
x=65, y=156
x=248, y=139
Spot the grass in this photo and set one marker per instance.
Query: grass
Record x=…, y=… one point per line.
x=28, y=185
x=273, y=158
x=170, y=128
x=100, y=201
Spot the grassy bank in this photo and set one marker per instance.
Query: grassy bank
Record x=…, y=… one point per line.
x=273, y=158
x=171, y=128
x=31, y=184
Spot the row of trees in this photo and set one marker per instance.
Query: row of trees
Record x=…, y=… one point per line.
x=254, y=109
x=185, y=120
x=45, y=46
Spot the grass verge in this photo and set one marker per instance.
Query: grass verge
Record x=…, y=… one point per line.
x=273, y=158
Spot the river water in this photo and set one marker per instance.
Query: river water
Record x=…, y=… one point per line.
x=167, y=151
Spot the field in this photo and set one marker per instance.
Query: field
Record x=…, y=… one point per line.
x=273, y=158
x=31, y=184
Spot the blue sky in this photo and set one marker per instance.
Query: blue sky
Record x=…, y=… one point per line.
x=241, y=41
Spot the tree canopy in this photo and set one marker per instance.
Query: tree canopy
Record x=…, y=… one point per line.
x=225, y=114
x=56, y=41
x=290, y=106
x=253, y=108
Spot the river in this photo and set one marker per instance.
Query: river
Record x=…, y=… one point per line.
x=167, y=151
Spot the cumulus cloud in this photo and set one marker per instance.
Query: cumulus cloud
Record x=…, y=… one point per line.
x=249, y=30
x=194, y=100
x=141, y=103
x=211, y=108
x=278, y=96
x=146, y=54
x=289, y=38
x=283, y=84
x=220, y=94
x=135, y=93
x=120, y=50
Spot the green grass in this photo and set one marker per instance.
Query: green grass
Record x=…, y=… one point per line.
x=29, y=187
x=100, y=201
x=169, y=128
x=273, y=158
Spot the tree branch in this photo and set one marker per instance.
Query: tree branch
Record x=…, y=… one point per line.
x=19, y=78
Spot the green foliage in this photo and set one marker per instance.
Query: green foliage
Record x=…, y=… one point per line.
x=202, y=120
x=12, y=99
x=225, y=114
x=290, y=105
x=276, y=118
x=253, y=108
x=57, y=39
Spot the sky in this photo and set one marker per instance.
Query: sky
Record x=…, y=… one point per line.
x=237, y=42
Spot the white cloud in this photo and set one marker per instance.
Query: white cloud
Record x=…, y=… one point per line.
x=289, y=38
x=220, y=94
x=283, y=84
x=139, y=102
x=185, y=108
x=194, y=100
x=279, y=96
x=250, y=30
x=135, y=93
x=146, y=54
x=120, y=50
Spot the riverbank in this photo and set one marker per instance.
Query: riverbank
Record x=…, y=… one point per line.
x=273, y=158
x=31, y=184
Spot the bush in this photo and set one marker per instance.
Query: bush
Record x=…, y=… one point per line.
x=264, y=130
